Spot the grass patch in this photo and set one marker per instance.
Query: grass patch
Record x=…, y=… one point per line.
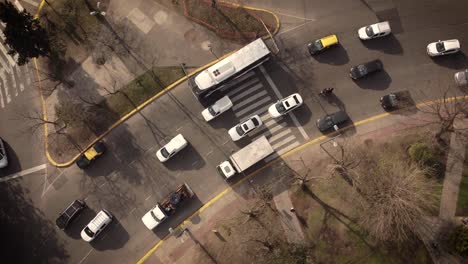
x=141, y=89
x=462, y=203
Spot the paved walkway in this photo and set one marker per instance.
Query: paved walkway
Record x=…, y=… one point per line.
x=289, y=220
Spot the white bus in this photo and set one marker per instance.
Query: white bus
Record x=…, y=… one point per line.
x=210, y=84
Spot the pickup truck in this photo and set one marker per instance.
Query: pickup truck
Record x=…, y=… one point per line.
x=167, y=206
x=66, y=217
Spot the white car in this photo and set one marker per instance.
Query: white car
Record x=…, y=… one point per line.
x=221, y=106
x=95, y=226
x=377, y=30
x=154, y=217
x=461, y=78
x=285, y=105
x=3, y=155
x=443, y=47
x=242, y=129
x=170, y=149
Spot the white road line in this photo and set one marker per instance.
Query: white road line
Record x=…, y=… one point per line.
x=209, y=153
x=258, y=133
x=5, y=86
x=248, y=100
x=283, y=142
x=280, y=135
x=5, y=52
x=243, y=86
x=278, y=127
x=31, y=3
x=2, y=103
x=131, y=211
x=23, y=173
x=13, y=80
x=270, y=122
x=253, y=106
x=277, y=92
x=19, y=6
x=194, y=163
x=45, y=190
x=89, y=252
x=148, y=197
x=246, y=92
x=102, y=184
x=19, y=79
x=179, y=128
x=288, y=148
x=25, y=71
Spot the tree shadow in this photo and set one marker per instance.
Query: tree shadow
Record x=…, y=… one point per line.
x=457, y=61
x=375, y=81
x=334, y=56
x=14, y=164
x=28, y=237
x=388, y=44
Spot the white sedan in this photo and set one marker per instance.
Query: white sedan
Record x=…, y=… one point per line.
x=3, y=155
x=443, y=47
x=374, y=31
x=285, y=105
x=170, y=149
x=221, y=106
x=242, y=129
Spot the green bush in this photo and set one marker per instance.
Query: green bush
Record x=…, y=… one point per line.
x=459, y=240
x=424, y=154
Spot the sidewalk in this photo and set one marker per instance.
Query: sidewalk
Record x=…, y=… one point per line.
x=183, y=248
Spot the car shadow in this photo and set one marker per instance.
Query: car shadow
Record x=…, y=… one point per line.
x=457, y=61
x=220, y=122
x=112, y=237
x=376, y=81
x=74, y=228
x=186, y=210
x=187, y=159
x=406, y=105
x=334, y=56
x=303, y=115
x=14, y=164
x=388, y=44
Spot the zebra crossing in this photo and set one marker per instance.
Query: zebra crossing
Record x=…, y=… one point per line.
x=251, y=97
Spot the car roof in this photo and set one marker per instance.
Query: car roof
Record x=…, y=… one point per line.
x=329, y=40
x=100, y=219
x=451, y=44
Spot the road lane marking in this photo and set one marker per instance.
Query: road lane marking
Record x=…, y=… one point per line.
x=131, y=211
x=209, y=153
x=251, y=107
x=89, y=252
x=252, y=89
x=280, y=135
x=19, y=6
x=13, y=80
x=278, y=127
x=2, y=103
x=5, y=86
x=239, y=89
x=4, y=51
x=31, y=2
x=288, y=148
x=44, y=190
x=148, y=197
x=23, y=173
x=250, y=99
x=277, y=92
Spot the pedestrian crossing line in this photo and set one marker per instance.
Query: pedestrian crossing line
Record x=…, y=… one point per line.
x=21, y=85
x=14, y=77
x=281, y=135
x=242, y=86
x=266, y=117
x=2, y=103
x=284, y=142
x=251, y=107
x=5, y=86
x=271, y=122
x=258, y=133
x=278, y=127
x=288, y=148
x=25, y=71
x=35, y=4
x=246, y=92
x=249, y=100
x=4, y=51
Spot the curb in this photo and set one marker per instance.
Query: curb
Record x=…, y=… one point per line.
x=134, y=111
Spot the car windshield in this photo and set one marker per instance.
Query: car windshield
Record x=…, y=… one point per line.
x=165, y=153
x=239, y=130
x=1, y=155
x=154, y=216
x=255, y=122
x=212, y=111
x=369, y=31
x=362, y=69
x=440, y=46
x=89, y=232
x=318, y=45
x=280, y=107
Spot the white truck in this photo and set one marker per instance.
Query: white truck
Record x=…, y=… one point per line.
x=167, y=206
x=245, y=157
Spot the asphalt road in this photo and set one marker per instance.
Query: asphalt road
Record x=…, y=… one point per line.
x=128, y=180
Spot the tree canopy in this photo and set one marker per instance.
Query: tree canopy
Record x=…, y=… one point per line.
x=23, y=34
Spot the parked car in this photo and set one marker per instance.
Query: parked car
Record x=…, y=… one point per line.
x=285, y=105
x=461, y=78
x=91, y=154
x=221, y=106
x=389, y=101
x=242, y=129
x=95, y=226
x=443, y=47
x=3, y=155
x=71, y=212
x=329, y=121
x=362, y=70
x=322, y=44
x=170, y=149
x=377, y=30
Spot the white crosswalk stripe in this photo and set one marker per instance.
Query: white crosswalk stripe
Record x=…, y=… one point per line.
x=250, y=97
x=5, y=86
x=2, y=103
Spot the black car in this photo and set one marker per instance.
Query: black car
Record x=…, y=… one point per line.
x=66, y=217
x=327, y=122
x=389, y=101
x=365, y=69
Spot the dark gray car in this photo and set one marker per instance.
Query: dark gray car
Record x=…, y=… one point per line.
x=461, y=78
x=365, y=69
x=327, y=122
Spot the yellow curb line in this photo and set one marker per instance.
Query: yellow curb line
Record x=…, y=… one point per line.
x=289, y=153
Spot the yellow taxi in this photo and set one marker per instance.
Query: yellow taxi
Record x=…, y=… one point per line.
x=86, y=158
x=323, y=43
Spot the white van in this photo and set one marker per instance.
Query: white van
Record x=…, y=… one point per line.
x=95, y=226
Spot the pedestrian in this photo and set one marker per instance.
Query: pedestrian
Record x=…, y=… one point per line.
x=292, y=210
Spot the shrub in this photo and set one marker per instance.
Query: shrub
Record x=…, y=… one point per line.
x=422, y=153
x=459, y=240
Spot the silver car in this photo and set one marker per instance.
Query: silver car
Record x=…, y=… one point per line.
x=461, y=78
x=3, y=155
